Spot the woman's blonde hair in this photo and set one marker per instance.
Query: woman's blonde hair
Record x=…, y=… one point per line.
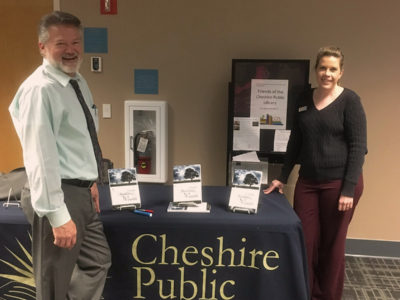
x=330, y=51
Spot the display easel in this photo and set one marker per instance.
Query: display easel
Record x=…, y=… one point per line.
x=10, y=202
x=296, y=72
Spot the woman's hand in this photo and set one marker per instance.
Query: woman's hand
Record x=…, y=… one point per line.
x=345, y=203
x=275, y=184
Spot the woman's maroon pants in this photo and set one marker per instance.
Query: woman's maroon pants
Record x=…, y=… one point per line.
x=325, y=229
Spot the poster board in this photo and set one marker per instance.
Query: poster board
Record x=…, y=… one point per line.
x=255, y=78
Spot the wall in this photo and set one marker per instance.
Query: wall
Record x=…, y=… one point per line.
x=192, y=44
x=19, y=57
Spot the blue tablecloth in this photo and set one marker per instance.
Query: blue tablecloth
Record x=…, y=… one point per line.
x=210, y=256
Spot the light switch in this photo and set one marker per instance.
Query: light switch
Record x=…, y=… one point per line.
x=95, y=64
x=106, y=111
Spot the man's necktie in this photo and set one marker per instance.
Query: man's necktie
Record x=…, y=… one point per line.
x=92, y=129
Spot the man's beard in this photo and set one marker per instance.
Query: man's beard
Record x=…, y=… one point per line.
x=69, y=69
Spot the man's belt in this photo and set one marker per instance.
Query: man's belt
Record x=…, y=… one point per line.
x=78, y=182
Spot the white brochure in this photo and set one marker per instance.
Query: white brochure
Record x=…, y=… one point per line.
x=187, y=184
x=245, y=191
x=281, y=140
x=246, y=134
x=124, y=188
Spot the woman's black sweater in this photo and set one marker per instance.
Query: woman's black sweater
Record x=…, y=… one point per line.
x=329, y=143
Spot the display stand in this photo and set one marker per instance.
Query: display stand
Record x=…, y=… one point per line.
x=242, y=210
x=252, y=80
x=10, y=202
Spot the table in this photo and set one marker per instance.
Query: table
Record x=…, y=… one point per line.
x=211, y=256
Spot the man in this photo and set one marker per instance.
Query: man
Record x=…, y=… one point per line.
x=71, y=255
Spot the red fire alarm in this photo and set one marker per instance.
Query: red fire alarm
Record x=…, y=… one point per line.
x=108, y=7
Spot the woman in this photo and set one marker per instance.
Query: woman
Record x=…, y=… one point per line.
x=328, y=140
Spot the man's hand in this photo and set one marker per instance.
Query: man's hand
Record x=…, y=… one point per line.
x=345, y=203
x=65, y=235
x=95, y=196
x=275, y=184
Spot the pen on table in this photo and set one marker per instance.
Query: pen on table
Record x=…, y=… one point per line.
x=143, y=213
x=146, y=210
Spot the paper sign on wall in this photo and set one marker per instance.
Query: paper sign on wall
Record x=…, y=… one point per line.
x=95, y=40
x=146, y=81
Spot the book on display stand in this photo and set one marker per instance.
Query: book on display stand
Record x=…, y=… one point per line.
x=245, y=191
x=124, y=189
x=187, y=189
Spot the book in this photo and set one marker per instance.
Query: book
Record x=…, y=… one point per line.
x=245, y=191
x=124, y=188
x=203, y=207
x=187, y=183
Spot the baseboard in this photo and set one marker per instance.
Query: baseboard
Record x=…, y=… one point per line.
x=372, y=248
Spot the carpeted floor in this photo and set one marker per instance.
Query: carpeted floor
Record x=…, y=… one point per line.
x=372, y=278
